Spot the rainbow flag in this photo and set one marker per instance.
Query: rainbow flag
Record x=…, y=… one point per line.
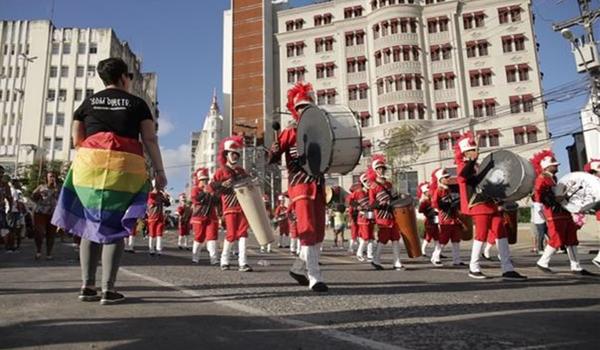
x=106, y=189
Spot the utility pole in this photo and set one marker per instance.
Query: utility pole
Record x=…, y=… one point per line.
x=585, y=51
x=19, y=122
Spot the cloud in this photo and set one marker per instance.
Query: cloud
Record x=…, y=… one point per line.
x=165, y=125
x=177, y=162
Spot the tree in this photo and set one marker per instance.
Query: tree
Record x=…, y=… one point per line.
x=34, y=175
x=403, y=150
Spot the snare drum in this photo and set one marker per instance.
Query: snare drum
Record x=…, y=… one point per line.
x=406, y=221
x=329, y=140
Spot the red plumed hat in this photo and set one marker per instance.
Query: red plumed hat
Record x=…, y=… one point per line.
x=230, y=144
x=377, y=160
x=465, y=143
x=200, y=174
x=542, y=160
x=592, y=165
x=422, y=189
x=300, y=94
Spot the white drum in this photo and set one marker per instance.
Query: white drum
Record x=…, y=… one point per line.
x=329, y=140
x=581, y=191
x=250, y=195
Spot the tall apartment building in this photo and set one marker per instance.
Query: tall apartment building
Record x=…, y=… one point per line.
x=443, y=66
x=204, y=152
x=46, y=72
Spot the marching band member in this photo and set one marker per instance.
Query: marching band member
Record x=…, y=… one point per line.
x=359, y=200
x=593, y=167
x=353, y=216
x=431, y=223
x=447, y=203
x=270, y=215
x=130, y=242
x=381, y=194
x=204, y=219
x=281, y=218
x=294, y=240
x=157, y=201
x=562, y=230
x=306, y=192
x=185, y=212
x=236, y=224
x=485, y=213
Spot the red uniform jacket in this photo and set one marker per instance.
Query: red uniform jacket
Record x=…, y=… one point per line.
x=472, y=203
x=300, y=184
x=185, y=213
x=542, y=193
x=204, y=204
x=380, y=198
x=448, y=204
x=156, y=205
x=428, y=211
x=229, y=200
x=281, y=214
x=359, y=201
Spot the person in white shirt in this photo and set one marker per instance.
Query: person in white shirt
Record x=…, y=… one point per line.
x=538, y=226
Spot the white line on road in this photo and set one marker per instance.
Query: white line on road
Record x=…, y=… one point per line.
x=297, y=324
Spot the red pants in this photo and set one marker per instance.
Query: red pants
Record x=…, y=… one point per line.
x=310, y=223
x=236, y=226
x=366, y=232
x=450, y=233
x=386, y=234
x=353, y=231
x=293, y=230
x=184, y=229
x=156, y=228
x=284, y=229
x=206, y=230
x=488, y=224
x=432, y=232
x=562, y=232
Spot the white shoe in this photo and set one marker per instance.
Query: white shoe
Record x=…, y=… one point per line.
x=596, y=262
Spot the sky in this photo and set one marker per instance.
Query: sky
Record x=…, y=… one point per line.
x=181, y=40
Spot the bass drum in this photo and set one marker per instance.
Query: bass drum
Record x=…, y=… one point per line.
x=335, y=195
x=581, y=191
x=250, y=196
x=406, y=221
x=508, y=176
x=329, y=140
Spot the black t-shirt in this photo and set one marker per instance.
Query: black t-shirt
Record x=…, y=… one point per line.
x=113, y=110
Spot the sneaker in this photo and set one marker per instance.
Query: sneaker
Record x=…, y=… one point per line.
x=477, y=275
x=180, y=247
x=399, y=268
x=442, y=256
x=377, y=267
x=513, y=276
x=151, y=253
x=245, y=268
x=320, y=287
x=279, y=246
x=360, y=258
x=214, y=261
x=301, y=279
x=596, y=262
x=224, y=267
x=88, y=294
x=583, y=273
x=460, y=264
x=488, y=258
x=111, y=298
x=369, y=259
x=195, y=261
x=544, y=269
x=437, y=263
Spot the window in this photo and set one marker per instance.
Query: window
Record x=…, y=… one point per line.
x=300, y=48
x=490, y=107
x=432, y=26
x=481, y=138
x=362, y=92
x=60, y=119
x=452, y=110
x=360, y=38
x=493, y=138
x=58, y=144
x=435, y=53
x=291, y=76
x=349, y=39
x=329, y=44
x=511, y=74
x=515, y=104
x=352, y=93
x=437, y=82
x=78, y=94
x=53, y=71
x=478, y=109
x=515, y=13
x=331, y=97
x=376, y=31
x=7, y=96
x=290, y=50
x=348, y=12
x=507, y=44
x=55, y=48
x=523, y=72
x=64, y=71
x=66, y=48
x=62, y=94
x=320, y=71
x=362, y=64
x=519, y=134
x=81, y=48
x=482, y=45
x=531, y=133
x=443, y=22
x=418, y=82
x=330, y=70
x=318, y=45
x=471, y=49
x=379, y=86
x=519, y=42
x=479, y=19
x=486, y=77
x=89, y=92
x=51, y=95
x=289, y=26
x=91, y=71
x=503, y=15
x=300, y=73
x=444, y=141
x=440, y=110
x=49, y=120
x=79, y=71
x=527, y=103
x=321, y=98
x=450, y=80
x=318, y=19
x=350, y=66
x=1, y=95
x=446, y=49
x=377, y=58
x=93, y=48
x=408, y=82
x=17, y=72
x=474, y=76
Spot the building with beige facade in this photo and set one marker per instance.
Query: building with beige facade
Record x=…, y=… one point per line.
x=443, y=67
x=46, y=72
x=205, y=143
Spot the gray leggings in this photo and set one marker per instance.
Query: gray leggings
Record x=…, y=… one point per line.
x=89, y=254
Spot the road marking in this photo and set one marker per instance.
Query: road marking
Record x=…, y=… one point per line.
x=297, y=324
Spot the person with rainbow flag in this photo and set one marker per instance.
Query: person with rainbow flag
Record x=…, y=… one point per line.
x=105, y=190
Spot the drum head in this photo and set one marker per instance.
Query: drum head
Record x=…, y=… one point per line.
x=315, y=141
x=582, y=191
x=508, y=176
x=404, y=200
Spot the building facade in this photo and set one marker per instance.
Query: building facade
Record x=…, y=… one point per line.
x=205, y=151
x=442, y=67
x=46, y=72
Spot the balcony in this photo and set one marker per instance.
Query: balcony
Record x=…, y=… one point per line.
x=412, y=67
x=359, y=105
x=439, y=38
x=442, y=66
x=444, y=95
x=356, y=78
x=356, y=50
x=403, y=96
x=397, y=39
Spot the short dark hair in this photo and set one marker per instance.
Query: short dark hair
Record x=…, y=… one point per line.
x=111, y=69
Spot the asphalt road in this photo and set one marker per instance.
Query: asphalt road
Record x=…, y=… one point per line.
x=172, y=304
